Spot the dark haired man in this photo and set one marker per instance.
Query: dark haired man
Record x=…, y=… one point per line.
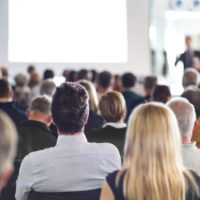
x=132, y=98
x=8, y=105
x=73, y=164
x=104, y=81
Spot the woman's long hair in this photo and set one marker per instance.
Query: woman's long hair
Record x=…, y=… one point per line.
x=153, y=167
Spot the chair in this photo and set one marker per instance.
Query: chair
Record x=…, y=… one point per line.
x=79, y=195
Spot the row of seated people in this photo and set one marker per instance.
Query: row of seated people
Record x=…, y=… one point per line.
x=112, y=107
x=152, y=155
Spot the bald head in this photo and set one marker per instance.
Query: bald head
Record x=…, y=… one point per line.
x=190, y=77
x=185, y=114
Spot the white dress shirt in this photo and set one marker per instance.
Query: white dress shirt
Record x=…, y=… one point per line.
x=191, y=157
x=72, y=165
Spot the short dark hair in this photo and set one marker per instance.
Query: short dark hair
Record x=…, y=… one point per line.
x=161, y=93
x=128, y=80
x=150, y=82
x=70, y=107
x=48, y=73
x=192, y=94
x=82, y=74
x=104, y=79
x=5, y=88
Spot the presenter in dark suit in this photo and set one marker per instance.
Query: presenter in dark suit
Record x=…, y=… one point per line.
x=113, y=108
x=188, y=56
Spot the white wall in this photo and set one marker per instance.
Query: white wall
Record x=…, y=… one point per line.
x=138, y=44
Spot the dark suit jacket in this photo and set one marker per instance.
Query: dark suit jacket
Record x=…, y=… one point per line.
x=182, y=58
x=33, y=136
x=13, y=111
x=132, y=100
x=95, y=121
x=109, y=134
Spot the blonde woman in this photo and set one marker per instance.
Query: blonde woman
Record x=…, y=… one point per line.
x=95, y=121
x=153, y=168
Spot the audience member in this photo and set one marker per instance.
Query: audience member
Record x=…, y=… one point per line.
x=95, y=121
x=113, y=109
x=8, y=105
x=192, y=94
x=4, y=73
x=82, y=74
x=47, y=87
x=48, y=73
x=72, y=76
x=22, y=93
x=117, y=83
x=161, y=93
x=186, y=118
x=34, y=133
x=34, y=84
x=86, y=164
x=153, y=167
x=104, y=82
x=190, y=77
x=31, y=69
x=94, y=75
x=132, y=98
x=8, y=140
x=149, y=84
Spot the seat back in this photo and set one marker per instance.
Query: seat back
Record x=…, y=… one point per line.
x=79, y=195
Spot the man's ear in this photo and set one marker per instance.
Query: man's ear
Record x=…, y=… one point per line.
x=86, y=119
x=27, y=113
x=49, y=120
x=195, y=124
x=5, y=176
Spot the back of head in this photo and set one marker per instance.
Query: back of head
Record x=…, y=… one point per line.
x=31, y=69
x=185, y=114
x=34, y=79
x=48, y=73
x=93, y=99
x=128, y=80
x=82, y=74
x=42, y=105
x=4, y=72
x=104, y=79
x=47, y=87
x=150, y=82
x=192, y=94
x=112, y=106
x=161, y=93
x=8, y=141
x=5, y=88
x=153, y=145
x=70, y=108
x=190, y=77
x=72, y=76
x=20, y=80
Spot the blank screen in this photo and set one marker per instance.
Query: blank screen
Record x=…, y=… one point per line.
x=68, y=31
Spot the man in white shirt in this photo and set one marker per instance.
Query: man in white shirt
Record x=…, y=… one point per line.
x=73, y=164
x=186, y=118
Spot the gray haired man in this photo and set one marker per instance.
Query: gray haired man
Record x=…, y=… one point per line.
x=186, y=118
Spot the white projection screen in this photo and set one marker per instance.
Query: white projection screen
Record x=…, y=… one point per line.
x=68, y=31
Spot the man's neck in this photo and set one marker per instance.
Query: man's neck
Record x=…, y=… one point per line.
x=5, y=100
x=39, y=118
x=70, y=134
x=131, y=89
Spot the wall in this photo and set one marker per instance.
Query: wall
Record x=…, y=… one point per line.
x=138, y=44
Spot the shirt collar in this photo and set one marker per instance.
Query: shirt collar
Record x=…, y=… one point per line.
x=115, y=125
x=191, y=145
x=71, y=139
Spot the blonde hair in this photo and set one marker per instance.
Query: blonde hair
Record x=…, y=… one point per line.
x=93, y=100
x=112, y=106
x=153, y=167
x=8, y=141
